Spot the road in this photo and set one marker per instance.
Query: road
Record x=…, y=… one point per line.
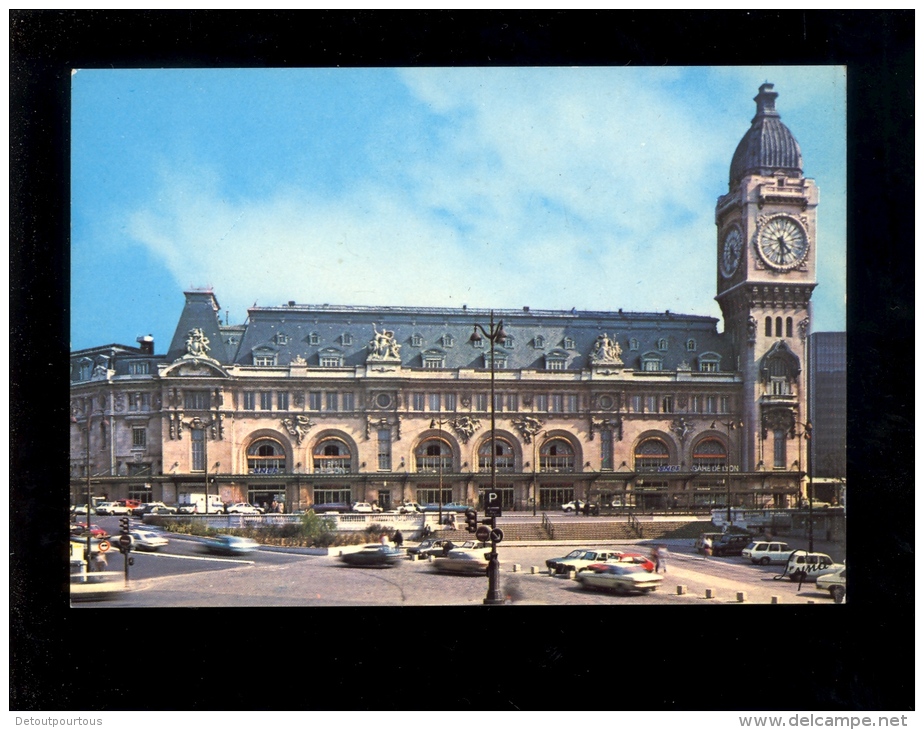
x=183, y=575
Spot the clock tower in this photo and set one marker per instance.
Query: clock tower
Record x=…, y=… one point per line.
x=766, y=250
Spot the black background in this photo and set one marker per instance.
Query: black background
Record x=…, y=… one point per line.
x=854, y=657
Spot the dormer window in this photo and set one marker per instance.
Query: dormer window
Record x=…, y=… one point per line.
x=416, y=341
x=539, y=341
x=508, y=341
x=346, y=339
x=568, y=343
x=139, y=367
x=281, y=339
x=556, y=360
x=448, y=340
x=633, y=344
x=662, y=345
x=479, y=343
x=264, y=360
x=691, y=345
x=314, y=339
x=433, y=359
x=330, y=358
x=651, y=362
x=84, y=369
x=709, y=362
x=500, y=360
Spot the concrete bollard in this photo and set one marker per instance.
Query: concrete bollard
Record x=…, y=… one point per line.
x=774, y=599
x=681, y=590
x=551, y=571
x=533, y=569
x=516, y=567
x=709, y=593
x=741, y=596
x=430, y=558
x=572, y=574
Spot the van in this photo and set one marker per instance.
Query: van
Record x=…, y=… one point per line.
x=764, y=553
x=731, y=543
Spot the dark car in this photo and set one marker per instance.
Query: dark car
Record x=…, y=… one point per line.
x=437, y=546
x=332, y=507
x=231, y=545
x=730, y=544
x=373, y=556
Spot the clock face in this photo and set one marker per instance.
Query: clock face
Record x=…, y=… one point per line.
x=782, y=243
x=731, y=252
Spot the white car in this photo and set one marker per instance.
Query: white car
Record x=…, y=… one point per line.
x=243, y=508
x=834, y=583
x=620, y=577
x=408, y=507
x=146, y=540
x=765, y=553
x=365, y=507
x=803, y=565
x=111, y=508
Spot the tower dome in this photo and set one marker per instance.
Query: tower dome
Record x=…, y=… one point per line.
x=768, y=147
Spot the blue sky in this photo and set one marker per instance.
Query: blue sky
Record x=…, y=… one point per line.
x=551, y=188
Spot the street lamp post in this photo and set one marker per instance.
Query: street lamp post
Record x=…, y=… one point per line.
x=729, y=427
x=807, y=432
x=535, y=438
x=89, y=489
x=434, y=423
x=494, y=335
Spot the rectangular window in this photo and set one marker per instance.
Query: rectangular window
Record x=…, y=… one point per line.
x=139, y=368
x=418, y=401
x=139, y=438
x=606, y=449
x=332, y=401
x=711, y=404
x=450, y=401
x=551, y=364
x=330, y=361
x=558, y=403
x=433, y=400
x=779, y=386
x=384, y=449
x=250, y=400
x=513, y=402
x=282, y=400
x=264, y=361
x=133, y=401
x=433, y=362
x=197, y=439
x=696, y=404
x=708, y=366
x=651, y=365
x=145, y=401
x=571, y=403
x=636, y=401
x=542, y=402
x=779, y=449
x=196, y=400
x=651, y=404
x=266, y=400
x=314, y=401
x=725, y=403
x=667, y=404
x=481, y=402
x=348, y=402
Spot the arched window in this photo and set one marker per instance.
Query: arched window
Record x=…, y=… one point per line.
x=709, y=455
x=556, y=455
x=266, y=457
x=768, y=327
x=789, y=326
x=779, y=326
x=662, y=344
x=651, y=455
x=504, y=455
x=332, y=456
x=434, y=455
x=691, y=345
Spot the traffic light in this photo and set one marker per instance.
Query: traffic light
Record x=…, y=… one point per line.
x=471, y=520
x=123, y=525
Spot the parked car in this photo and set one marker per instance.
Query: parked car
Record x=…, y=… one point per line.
x=80, y=509
x=162, y=511
x=731, y=543
x=330, y=507
x=448, y=507
x=146, y=507
x=765, y=553
x=408, y=507
x=79, y=529
x=373, y=556
x=111, y=508
x=427, y=548
x=231, y=545
x=242, y=508
x=635, y=559
x=147, y=540
x=619, y=577
x=803, y=565
x=834, y=583
x=578, y=560
x=578, y=506
x=463, y=561
x=365, y=507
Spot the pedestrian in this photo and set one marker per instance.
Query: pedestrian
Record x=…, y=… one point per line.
x=399, y=539
x=452, y=521
x=656, y=559
x=100, y=563
x=662, y=557
x=707, y=546
x=426, y=531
